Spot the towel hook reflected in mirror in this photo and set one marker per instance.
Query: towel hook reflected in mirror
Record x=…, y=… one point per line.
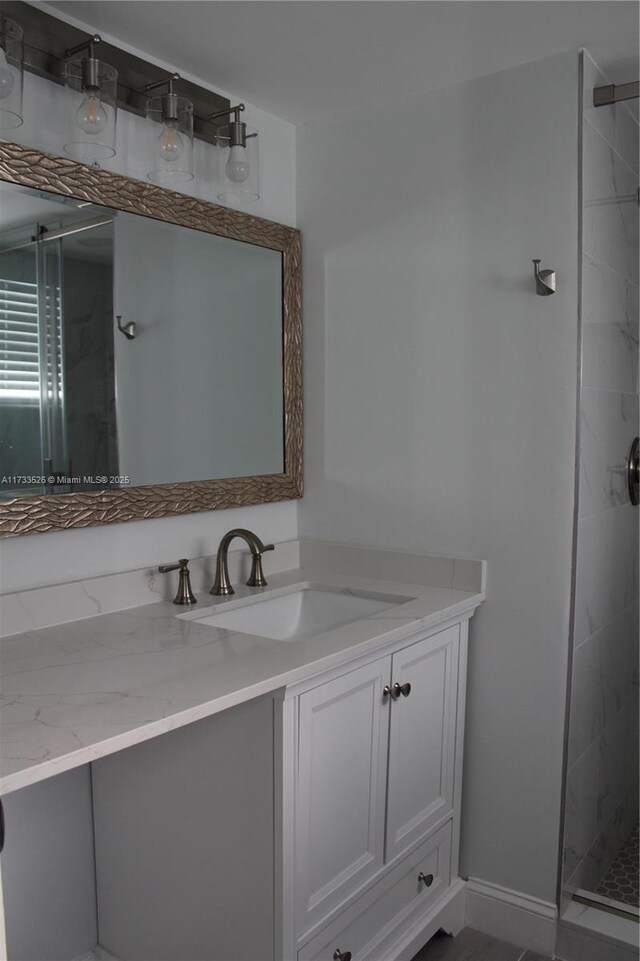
x=129, y=330
x=633, y=472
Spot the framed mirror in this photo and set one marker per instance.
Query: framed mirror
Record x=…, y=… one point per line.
x=150, y=350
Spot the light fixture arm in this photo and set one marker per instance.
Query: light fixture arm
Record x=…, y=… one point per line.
x=170, y=80
x=227, y=113
x=169, y=99
x=90, y=65
x=237, y=128
x=85, y=45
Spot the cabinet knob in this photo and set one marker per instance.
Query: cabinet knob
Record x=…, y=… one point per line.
x=339, y=955
x=398, y=690
x=427, y=879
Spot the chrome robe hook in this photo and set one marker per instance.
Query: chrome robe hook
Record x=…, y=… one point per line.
x=545, y=280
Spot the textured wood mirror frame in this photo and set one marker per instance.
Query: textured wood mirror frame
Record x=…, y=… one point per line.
x=53, y=512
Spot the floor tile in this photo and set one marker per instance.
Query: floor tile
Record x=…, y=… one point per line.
x=469, y=945
x=530, y=956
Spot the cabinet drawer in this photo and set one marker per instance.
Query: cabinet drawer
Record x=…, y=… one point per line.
x=399, y=897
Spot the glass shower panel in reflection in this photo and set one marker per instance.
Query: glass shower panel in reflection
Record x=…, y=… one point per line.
x=52, y=421
x=20, y=395
x=57, y=388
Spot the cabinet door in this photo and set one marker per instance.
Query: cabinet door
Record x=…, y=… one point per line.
x=343, y=735
x=422, y=739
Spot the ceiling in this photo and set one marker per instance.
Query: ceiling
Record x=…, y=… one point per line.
x=301, y=59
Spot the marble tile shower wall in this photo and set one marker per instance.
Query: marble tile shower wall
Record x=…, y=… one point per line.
x=602, y=777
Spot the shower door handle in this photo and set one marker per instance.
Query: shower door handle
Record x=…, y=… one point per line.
x=633, y=472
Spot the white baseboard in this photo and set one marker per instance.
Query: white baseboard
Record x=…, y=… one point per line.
x=511, y=916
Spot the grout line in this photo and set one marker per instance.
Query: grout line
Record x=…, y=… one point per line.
x=614, y=149
x=617, y=616
x=603, y=730
x=600, y=263
x=604, y=510
x=610, y=390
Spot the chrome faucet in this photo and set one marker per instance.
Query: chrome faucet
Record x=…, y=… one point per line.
x=221, y=583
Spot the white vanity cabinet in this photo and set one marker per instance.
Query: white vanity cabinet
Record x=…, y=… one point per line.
x=316, y=822
x=375, y=777
x=375, y=769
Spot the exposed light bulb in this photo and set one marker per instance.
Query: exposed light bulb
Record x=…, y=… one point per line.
x=237, y=167
x=7, y=80
x=91, y=115
x=170, y=142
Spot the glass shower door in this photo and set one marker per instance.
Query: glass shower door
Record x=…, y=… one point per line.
x=600, y=852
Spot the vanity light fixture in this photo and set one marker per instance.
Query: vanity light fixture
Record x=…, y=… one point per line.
x=171, y=131
x=11, y=73
x=91, y=88
x=95, y=89
x=238, y=173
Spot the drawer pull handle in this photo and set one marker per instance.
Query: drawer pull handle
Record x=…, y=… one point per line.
x=386, y=691
x=427, y=879
x=339, y=955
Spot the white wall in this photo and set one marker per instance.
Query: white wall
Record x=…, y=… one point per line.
x=41, y=559
x=441, y=398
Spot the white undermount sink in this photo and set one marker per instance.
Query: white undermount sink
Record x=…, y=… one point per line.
x=301, y=612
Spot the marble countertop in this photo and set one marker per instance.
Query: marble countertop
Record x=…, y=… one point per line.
x=75, y=692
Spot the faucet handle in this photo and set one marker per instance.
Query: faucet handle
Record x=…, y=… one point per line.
x=185, y=595
x=256, y=577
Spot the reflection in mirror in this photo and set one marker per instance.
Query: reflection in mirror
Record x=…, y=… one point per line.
x=189, y=388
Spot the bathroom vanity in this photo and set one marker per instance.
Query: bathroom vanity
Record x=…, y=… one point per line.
x=180, y=786
x=272, y=777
